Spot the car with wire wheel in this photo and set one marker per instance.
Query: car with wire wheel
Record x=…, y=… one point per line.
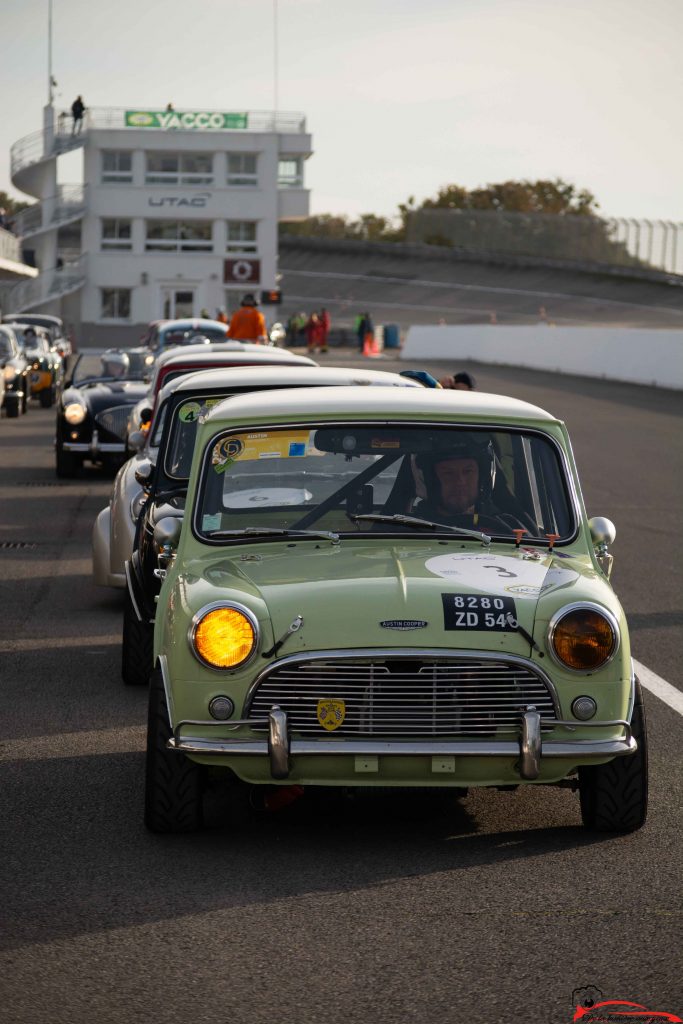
x=164, y=334
x=46, y=364
x=16, y=373
x=93, y=409
x=385, y=587
x=162, y=476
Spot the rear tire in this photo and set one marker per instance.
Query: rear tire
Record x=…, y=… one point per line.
x=138, y=647
x=174, y=785
x=47, y=397
x=12, y=407
x=614, y=795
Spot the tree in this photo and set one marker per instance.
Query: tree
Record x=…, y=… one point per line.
x=557, y=197
x=11, y=206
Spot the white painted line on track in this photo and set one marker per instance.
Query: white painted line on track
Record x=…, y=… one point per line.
x=655, y=684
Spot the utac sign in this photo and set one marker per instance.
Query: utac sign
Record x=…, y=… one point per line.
x=202, y=120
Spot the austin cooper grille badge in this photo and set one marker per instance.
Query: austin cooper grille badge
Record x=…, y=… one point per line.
x=404, y=624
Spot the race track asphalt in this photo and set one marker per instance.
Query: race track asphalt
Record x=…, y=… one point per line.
x=379, y=909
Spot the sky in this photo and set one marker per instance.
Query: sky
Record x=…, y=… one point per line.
x=401, y=96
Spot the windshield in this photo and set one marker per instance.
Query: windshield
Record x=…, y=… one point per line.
x=408, y=479
x=32, y=342
x=187, y=336
x=89, y=366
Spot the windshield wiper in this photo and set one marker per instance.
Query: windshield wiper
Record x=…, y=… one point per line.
x=270, y=531
x=425, y=524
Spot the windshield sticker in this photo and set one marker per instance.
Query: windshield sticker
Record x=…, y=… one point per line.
x=211, y=522
x=278, y=444
x=491, y=574
x=472, y=611
x=189, y=412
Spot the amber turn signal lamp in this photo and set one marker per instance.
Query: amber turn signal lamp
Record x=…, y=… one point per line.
x=583, y=638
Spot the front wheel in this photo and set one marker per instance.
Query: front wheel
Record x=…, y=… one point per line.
x=68, y=465
x=12, y=406
x=47, y=397
x=137, y=648
x=174, y=785
x=614, y=795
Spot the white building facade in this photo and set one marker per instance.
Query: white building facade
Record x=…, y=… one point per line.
x=177, y=215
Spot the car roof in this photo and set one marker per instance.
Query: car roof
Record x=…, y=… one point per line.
x=392, y=403
x=179, y=351
x=190, y=323
x=44, y=319
x=295, y=376
x=208, y=355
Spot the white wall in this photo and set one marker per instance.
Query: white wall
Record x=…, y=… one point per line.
x=653, y=357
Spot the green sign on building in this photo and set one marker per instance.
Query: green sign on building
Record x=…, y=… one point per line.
x=203, y=120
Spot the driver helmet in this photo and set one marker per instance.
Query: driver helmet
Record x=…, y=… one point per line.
x=464, y=446
x=198, y=339
x=115, y=364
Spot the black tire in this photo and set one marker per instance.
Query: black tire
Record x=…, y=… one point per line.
x=24, y=400
x=614, y=795
x=12, y=407
x=68, y=465
x=47, y=397
x=138, y=647
x=174, y=785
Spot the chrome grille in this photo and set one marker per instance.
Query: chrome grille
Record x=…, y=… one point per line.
x=394, y=696
x=114, y=420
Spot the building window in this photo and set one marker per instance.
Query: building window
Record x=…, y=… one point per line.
x=116, y=236
x=179, y=169
x=117, y=167
x=242, y=169
x=115, y=303
x=241, y=236
x=290, y=172
x=179, y=236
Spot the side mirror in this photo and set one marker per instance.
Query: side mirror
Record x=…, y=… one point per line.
x=136, y=440
x=603, y=532
x=144, y=473
x=167, y=532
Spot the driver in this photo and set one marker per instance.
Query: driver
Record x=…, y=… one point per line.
x=115, y=364
x=458, y=482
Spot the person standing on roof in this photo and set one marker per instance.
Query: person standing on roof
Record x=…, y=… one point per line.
x=77, y=112
x=247, y=323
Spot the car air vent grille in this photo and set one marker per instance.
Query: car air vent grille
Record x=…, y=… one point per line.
x=114, y=420
x=399, y=697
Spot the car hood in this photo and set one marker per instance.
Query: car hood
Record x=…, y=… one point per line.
x=368, y=594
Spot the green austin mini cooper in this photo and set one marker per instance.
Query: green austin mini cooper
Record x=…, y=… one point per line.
x=388, y=587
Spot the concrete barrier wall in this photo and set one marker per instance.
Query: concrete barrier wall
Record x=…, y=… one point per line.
x=641, y=356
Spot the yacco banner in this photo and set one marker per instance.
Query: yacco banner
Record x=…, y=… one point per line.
x=203, y=120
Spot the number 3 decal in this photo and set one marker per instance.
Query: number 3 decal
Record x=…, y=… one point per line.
x=501, y=571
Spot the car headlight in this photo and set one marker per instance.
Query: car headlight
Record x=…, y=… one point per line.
x=9, y=373
x=583, y=637
x=74, y=413
x=224, y=636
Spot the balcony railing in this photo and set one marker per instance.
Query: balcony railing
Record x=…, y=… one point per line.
x=69, y=204
x=51, y=283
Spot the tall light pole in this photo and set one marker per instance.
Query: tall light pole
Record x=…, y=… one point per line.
x=50, y=79
x=275, y=57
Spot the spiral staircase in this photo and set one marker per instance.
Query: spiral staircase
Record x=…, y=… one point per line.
x=34, y=171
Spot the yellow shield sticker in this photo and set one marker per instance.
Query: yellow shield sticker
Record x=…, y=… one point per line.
x=331, y=714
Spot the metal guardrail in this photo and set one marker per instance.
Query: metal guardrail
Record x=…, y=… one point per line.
x=51, y=284
x=42, y=145
x=10, y=249
x=615, y=242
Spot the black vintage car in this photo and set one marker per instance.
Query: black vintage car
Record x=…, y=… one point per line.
x=15, y=370
x=93, y=409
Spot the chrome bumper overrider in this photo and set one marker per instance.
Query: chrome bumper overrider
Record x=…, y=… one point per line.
x=529, y=748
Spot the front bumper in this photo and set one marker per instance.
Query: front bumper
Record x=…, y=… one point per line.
x=94, y=448
x=529, y=749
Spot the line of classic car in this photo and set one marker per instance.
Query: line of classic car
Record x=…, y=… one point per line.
x=335, y=583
